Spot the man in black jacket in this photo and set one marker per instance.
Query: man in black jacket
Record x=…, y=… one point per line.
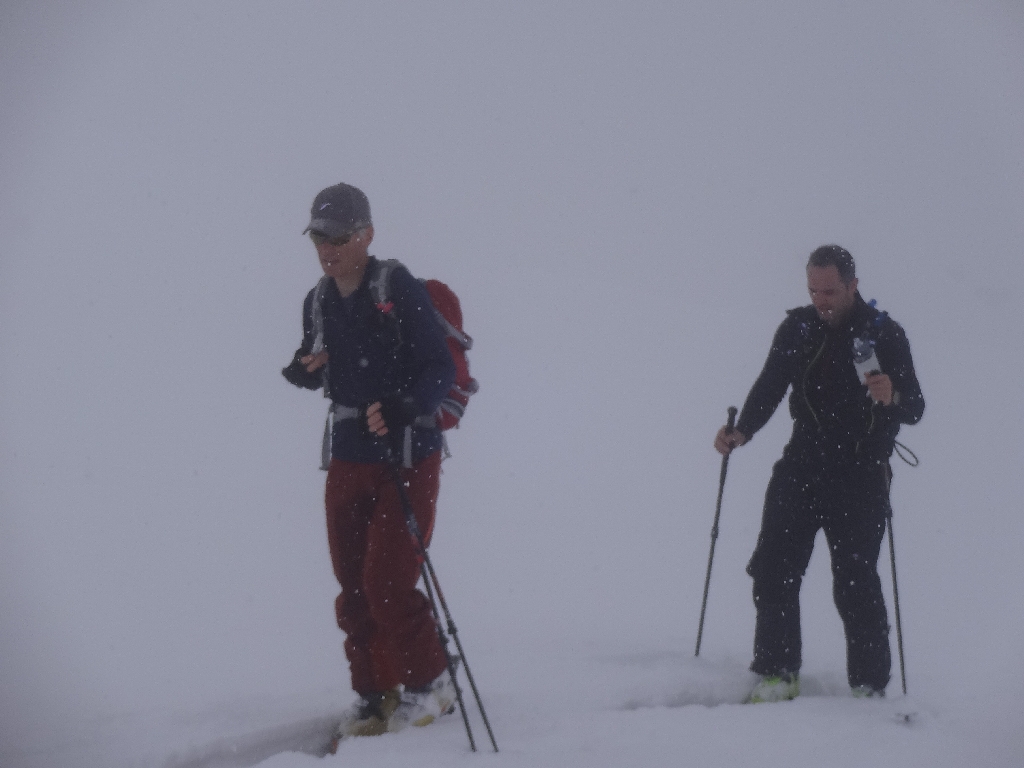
x=386, y=367
x=834, y=473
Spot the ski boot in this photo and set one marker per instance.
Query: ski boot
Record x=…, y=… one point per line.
x=422, y=706
x=784, y=687
x=368, y=716
x=867, y=692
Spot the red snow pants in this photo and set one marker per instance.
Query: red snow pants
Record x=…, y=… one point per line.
x=391, y=635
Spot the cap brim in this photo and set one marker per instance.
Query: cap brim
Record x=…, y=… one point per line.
x=333, y=228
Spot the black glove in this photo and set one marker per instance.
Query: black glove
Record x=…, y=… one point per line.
x=398, y=411
x=297, y=374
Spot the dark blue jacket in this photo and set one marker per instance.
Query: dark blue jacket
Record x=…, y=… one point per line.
x=835, y=423
x=379, y=351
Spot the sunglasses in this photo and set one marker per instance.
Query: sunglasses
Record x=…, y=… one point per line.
x=319, y=238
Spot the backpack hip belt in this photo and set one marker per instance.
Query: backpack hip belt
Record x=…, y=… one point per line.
x=339, y=412
x=336, y=412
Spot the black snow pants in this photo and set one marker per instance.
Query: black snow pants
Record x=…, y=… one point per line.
x=851, y=505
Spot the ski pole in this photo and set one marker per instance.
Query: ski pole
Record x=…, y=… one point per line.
x=414, y=530
x=895, y=588
x=899, y=623
x=896, y=607
x=714, y=532
x=430, y=576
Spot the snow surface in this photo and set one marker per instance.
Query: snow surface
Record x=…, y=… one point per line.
x=623, y=195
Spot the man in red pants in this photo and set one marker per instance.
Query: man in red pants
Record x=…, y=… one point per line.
x=386, y=368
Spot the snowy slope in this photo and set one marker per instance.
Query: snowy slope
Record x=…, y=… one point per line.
x=623, y=195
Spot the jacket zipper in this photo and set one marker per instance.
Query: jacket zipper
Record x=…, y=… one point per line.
x=807, y=372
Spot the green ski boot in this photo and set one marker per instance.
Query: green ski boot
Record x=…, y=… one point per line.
x=775, y=688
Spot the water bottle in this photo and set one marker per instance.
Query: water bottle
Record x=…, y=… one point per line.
x=864, y=359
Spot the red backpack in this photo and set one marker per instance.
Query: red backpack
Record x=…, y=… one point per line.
x=448, y=312
x=449, y=315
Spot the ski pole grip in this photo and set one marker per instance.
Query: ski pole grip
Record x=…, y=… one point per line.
x=731, y=422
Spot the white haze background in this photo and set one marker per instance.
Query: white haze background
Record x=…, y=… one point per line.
x=623, y=195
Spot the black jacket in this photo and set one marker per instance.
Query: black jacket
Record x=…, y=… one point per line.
x=376, y=352
x=834, y=420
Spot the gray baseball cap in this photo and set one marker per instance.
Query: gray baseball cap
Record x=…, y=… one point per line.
x=339, y=210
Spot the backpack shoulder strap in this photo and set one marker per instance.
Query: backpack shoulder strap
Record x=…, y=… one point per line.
x=876, y=319
x=448, y=312
x=317, y=311
x=381, y=282
x=318, y=315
